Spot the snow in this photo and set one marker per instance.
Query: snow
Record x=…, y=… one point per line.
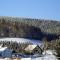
x=2, y=49
x=48, y=55
x=30, y=47
x=49, y=52
x=1, y=59
x=5, y=59
x=26, y=59
x=21, y=40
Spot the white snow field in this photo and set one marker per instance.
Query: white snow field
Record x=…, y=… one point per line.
x=21, y=40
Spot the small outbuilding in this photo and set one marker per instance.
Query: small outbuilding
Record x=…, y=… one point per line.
x=33, y=49
x=5, y=52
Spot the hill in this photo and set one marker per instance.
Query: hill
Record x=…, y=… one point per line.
x=29, y=28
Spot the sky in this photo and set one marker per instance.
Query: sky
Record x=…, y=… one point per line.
x=40, y=9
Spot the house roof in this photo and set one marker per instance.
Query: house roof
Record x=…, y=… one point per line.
x=30, y=47
x=3, y=48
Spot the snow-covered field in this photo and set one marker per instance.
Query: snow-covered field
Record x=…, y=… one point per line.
x=21, y=40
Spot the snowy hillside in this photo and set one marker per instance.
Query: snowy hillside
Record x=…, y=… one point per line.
x=21, y=40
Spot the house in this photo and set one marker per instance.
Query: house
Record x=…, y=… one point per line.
x=33, y=49
x=5, y=52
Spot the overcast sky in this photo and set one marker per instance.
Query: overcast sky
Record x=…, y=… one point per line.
x=44, y=9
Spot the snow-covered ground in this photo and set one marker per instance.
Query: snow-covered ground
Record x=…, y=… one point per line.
x=47, y=55
x=21, y=40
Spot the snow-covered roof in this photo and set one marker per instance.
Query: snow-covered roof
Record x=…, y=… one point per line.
x=30, y=47
x=2, y=49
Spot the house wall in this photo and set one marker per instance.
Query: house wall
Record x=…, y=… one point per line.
x=37, y=50
x=7, y=53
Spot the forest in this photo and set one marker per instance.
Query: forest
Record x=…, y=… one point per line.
x=29, y=28
x=47, y=31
